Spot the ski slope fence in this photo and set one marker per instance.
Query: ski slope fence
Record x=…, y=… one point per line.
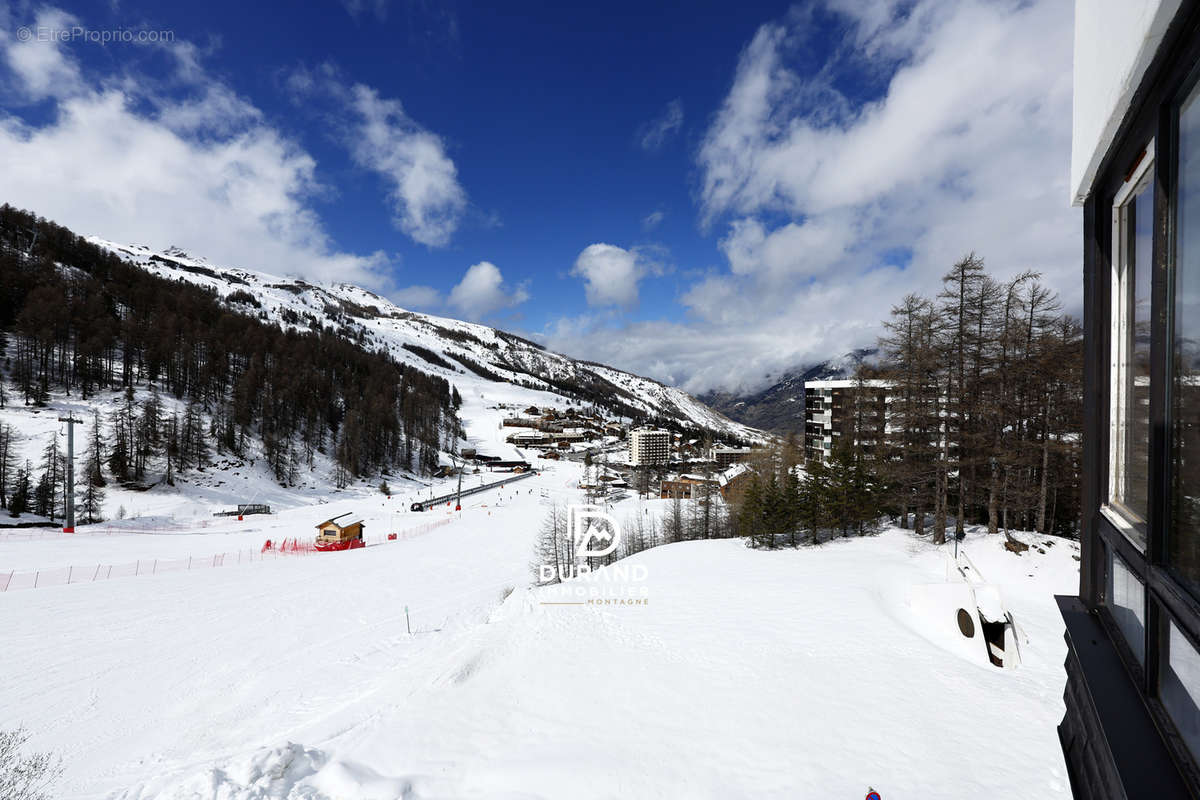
x=90, y=573
x=153, y=526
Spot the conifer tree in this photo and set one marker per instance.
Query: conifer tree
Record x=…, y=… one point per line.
x=7, y=459
x=49, y=493
x=92, y=499
x=19, y=501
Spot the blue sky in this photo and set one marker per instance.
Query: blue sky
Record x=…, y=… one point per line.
x=708, y=195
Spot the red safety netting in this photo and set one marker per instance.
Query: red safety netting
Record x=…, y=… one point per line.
x=90, y=573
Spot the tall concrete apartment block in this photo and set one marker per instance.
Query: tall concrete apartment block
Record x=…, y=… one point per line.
x=649, y=446
x=835, y=409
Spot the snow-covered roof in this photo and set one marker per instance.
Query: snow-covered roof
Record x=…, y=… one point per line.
x=734, y=471
x=529, y=435
x=354, y=521
x=847, y=383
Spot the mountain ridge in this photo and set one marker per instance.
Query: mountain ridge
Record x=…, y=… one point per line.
x=780, y=407
x=440, y=345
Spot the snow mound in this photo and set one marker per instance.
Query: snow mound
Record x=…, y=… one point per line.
x=288, y=772
x=933, y=613
x=991, y=607
x=278, y=773
x=518, y=604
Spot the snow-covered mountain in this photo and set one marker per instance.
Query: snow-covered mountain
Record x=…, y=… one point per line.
x=780, y=406
x=463, y=352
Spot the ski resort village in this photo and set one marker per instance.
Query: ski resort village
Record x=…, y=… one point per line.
x=434, y=401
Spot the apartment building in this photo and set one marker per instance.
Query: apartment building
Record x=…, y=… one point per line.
x=649, y=447
x=725, y=456
x=834, y=409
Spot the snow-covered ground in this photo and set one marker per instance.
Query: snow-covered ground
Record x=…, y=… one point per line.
x=747, y=674
x=790, y=674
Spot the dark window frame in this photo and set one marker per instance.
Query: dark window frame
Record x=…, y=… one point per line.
x=1171, y=78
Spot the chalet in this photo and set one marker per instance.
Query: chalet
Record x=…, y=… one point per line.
x=331, y=531
x=733, y=479
x=529, y=438
x=513, y=465
x=686, y=487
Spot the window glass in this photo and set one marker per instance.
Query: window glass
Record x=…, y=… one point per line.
x=1129, y=442
x=1183, y=534
x=1127, y=601
x=1179, y=688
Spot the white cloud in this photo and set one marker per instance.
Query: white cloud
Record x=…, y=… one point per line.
x=41, y=68
x=427, y=198
x=197, y=167
x=793, y=250
x=833, y=208
x=417, y=297
x=654, y=134
x=611, y=274
x=732, y=341
x=482, y=291
x=653, y=220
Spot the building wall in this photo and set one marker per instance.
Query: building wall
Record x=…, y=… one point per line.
x=1115, y=41
x=649, y=446
x=829, y=412
x=1123, y=734
x=684, y=489
x=725, y=456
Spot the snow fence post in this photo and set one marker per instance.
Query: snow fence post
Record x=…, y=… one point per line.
x=70, y=572
x=407, y=624
x=96, y=573
x=36, y=575
x=137, y=568
x=189, y=563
